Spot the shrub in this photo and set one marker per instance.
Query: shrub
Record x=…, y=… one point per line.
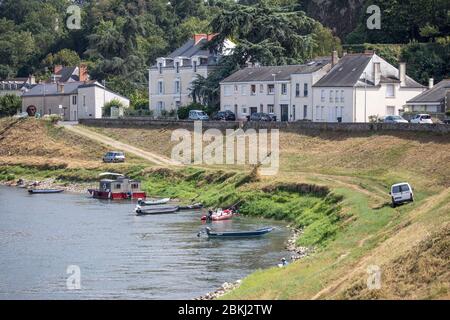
x=9, y=105
x=115, y=103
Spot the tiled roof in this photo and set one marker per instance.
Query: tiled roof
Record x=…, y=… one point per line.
x=66, y=73
x=436, y=94
x=281, y=72
x=349, y=73
x=52, y=89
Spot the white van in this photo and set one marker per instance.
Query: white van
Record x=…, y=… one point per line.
x=400, y=193
x=198, y=115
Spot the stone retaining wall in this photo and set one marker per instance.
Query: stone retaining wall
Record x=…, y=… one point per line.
x=283, y=126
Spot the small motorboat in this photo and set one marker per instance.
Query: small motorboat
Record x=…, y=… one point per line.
x=238, y=234
x=153, y=202
x=219, y=215
x=155, y=210
x=194, y=206
x=44, y=191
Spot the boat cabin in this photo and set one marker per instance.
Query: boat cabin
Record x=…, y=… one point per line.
x=120, y=185
x=119, y=188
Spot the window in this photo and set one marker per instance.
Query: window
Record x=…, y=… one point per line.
x=297, y=89
x=177, y=86
x=283, y=88
x=244, y=109
x=322, y=113
x=227, y=90
x=342, y=95
x=134, y=186
x=236, y=88
x=322, y=96
x=331, y=96
x=194, y=64
x=253, y=89
x=160, y=87
x=117, y=186
x=390, y=110
x=160, y=67
x=270, y=89
x=84, y=100
x=160, y=106
x=317, y=113
x=74, y=100
x=270, y=108
x=261, y=108
x=293, y=112
x=177, y=67
x=261, y=88
x=243, y=90
x=390, y=91
x=305, y=90
x=305, y=111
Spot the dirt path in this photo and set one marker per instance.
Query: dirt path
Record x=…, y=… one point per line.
x=150, y=156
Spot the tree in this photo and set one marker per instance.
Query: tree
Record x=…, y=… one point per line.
x=65, y=57
x=9, y=105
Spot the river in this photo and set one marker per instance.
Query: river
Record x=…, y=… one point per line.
x=120, y=255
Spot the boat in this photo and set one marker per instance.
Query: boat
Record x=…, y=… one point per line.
x=120, y=187
x=219, y=215
x=155, y=210
x=194, y=206
x=238, y=234
x=153, y=202
x=45, y=191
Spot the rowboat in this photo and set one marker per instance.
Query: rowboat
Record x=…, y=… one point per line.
x=238, y=234
x=155, y=210
x=153, y=202
x=32, y=191
x=194, y=206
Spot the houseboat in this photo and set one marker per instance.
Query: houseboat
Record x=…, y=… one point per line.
x=119, y=187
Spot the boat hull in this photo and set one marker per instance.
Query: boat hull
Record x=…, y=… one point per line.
x=164, y=210
x=245, y=234
x=116, y=195
x=45, y=191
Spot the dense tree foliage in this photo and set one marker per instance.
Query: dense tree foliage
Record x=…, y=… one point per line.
x=9, y=105
x=403, y=21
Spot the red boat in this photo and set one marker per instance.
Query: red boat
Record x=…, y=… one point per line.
x=219, y=215
x=119, y=188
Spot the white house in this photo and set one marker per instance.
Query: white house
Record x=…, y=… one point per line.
x=71, y=100
x=285, y=91
x=360, y=86
x=433, y=101
x=171, y=77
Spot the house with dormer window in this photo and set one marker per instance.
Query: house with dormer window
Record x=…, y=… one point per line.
x=170, y=78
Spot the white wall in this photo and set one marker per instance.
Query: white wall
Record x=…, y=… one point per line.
x=95, y=98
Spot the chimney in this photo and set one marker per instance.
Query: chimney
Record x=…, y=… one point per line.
x=376, y=73
x=402, y=74
x=430, y=83
x=31, y=79
x=60, y=87
x=199, y=36
x=57, y=69
x=83, y=73
x=334, y=58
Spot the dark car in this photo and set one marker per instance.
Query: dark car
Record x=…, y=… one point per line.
x=226, y=115
x=446, y=121
x=260, y=116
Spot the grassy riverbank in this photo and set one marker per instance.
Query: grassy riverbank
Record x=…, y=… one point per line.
x=333, y=185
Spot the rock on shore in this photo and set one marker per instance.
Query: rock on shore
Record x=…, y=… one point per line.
x=49, y=183
x=224, y=289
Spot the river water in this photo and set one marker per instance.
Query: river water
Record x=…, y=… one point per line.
x=120, y=255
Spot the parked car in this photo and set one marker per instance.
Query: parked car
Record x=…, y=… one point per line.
x=226, y=115
x=198, y=115
x=260, y=116
x=421, y=118
x=400, y=193
x=272, y=116
x=114, y=156
x=394, y=119
x=446, y=121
